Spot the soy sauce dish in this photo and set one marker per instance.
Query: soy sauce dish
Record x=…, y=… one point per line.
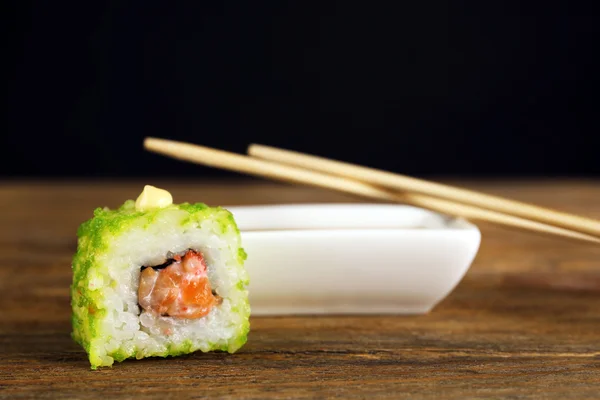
x=352, y=258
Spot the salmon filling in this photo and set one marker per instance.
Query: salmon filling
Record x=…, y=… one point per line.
x=178, y=288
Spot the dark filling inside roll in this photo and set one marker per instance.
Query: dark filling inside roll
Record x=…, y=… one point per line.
x=177, y=288
x=161, y=266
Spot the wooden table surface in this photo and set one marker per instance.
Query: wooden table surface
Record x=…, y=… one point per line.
x=524, y=322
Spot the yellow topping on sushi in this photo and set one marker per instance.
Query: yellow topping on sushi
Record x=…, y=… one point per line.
x=153, y=197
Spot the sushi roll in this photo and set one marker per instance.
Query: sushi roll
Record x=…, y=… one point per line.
x=152, y=278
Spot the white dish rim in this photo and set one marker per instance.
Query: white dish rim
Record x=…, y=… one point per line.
x=449, y=224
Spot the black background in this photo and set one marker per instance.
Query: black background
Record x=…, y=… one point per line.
x=423, y=88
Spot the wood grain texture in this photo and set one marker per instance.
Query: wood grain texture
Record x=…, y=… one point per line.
x=524, y=323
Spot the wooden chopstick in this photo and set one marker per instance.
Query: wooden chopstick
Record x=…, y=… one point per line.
x=257, y=167
x=414, y=185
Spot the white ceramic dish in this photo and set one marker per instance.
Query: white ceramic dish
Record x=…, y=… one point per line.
x=352, y=258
